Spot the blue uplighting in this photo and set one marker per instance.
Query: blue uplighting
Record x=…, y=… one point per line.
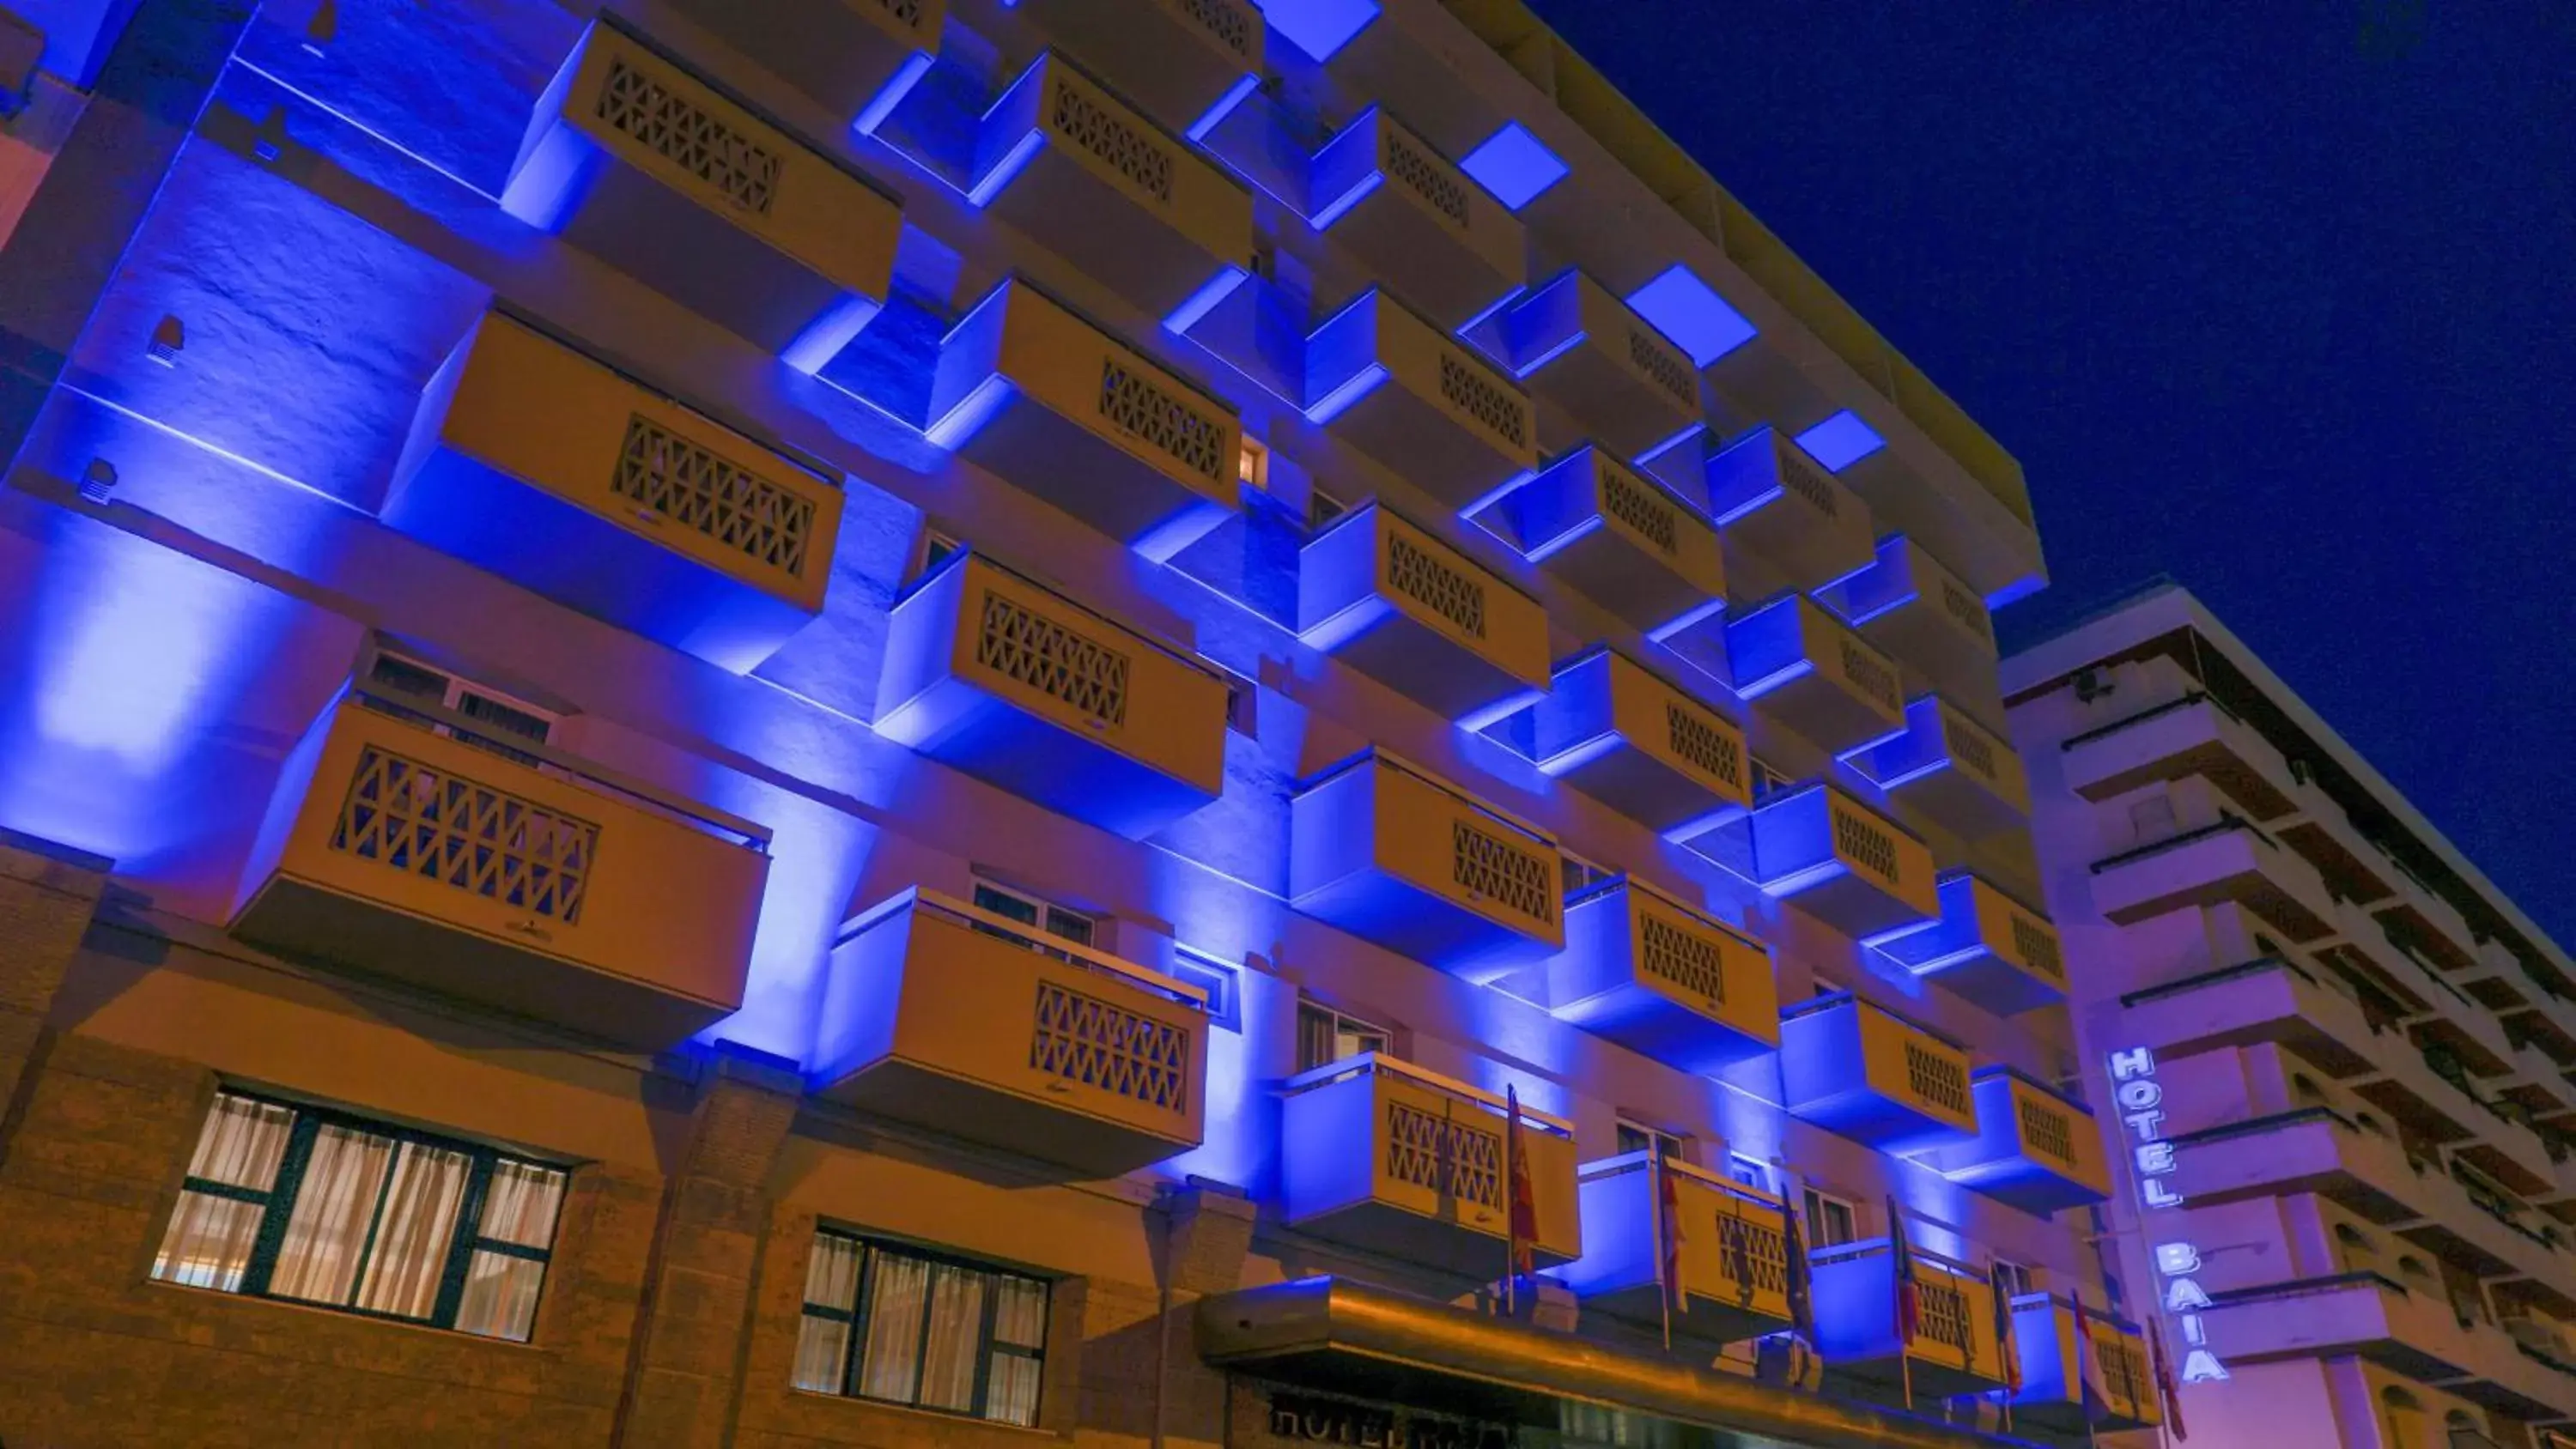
x=1690, y=312
x=1514, y=165
x=1841, y=440
x=1318, y=27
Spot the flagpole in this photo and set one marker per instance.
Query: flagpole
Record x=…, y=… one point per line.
x=1663, y=1257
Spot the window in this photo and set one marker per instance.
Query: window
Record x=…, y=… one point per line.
x=1326, y=1036
x=936, y=547
x=1322, y=508
x=1830, y=1220
x=1241, y=699
x=1035, y=912
x=2017, y=1278
x=490, y=710
x=1637, y=1137
x=1582, y=875
x=912, y=1328
x=1252, y=465
x=1218, y=980
x=1749, y=1173
x=297, y=1203
x=1767, y=781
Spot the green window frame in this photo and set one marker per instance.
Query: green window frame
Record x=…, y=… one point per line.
x=897, y=1324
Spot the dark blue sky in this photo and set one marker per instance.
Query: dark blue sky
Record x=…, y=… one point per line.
x=2276, y=298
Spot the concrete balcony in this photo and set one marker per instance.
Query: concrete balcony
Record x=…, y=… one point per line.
x=2473, y=1226
x=1175, y=59
x=502, y=872
x=998, y=675
x=2176, y=740
x=1397, y=388
x=2322, y=833
x=1065, y=159
x=922, y=1020
x=2231, y=860
x=1863, y=1072
x=1910, y=604
x=1392, y=600
x=2349, y=1314
x=1954, y=1349
x=2034, y=1149
x=1616, y=535
x=1788, y=522
x=1028, y=390
x=2109, y=1373
x=2263, y=1000
x=2431, y=926
x=1986, y=948
x=2502, y=1375
x=1406, y=214
x=1832, y=857
x=2314, y=1149
x=1388, y=1158
x=1733, y=1267
x=1805, y=672
x=1396, y=855
x=540, y=465
x=1960, y=775
x=1630, y=738
x=842, y=53
x=1571, y=342
x=1651, y=973
x=633, y=159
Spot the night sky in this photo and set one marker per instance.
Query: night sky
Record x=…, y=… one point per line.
x=2277, y=299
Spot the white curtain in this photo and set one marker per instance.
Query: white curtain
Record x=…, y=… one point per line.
x=897, y=1297
x=414, y=1231
x=956, y=1332
x=1019, y=1321
x=210, y=1238
x=831, y=1281
x=520, y=1207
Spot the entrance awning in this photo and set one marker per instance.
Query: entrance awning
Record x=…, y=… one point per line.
x=1349, y=1338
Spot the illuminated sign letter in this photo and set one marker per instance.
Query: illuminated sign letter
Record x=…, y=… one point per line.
x=2200, y=1366
x=2135, y=1062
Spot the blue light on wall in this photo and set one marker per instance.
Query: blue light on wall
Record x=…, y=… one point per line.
x=1514, y=165
x=1692, y=314
x=1841, y=440
x=1319, y=27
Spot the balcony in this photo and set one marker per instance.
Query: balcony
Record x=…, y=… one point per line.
x=1620, y=538
x=1910, y=604
x=1663, y=980
x=2314, y=1149
x=1860, y=1071
x=1066, y=160
x=532, y=461
x=2034, y=1149
x=2230, y=860
x=2264, y=1000
x=504, y=873
x=1007, y=680
x=920, y=1022
x=1788, y=523
x=1733, y=1267
x=2177, y=740
x=1986, y=948
x=2057, y=1390
x=1957, y=773
x=1391, y=1159
x=1175, y=59
x=1625, y=384
x=1395, y=855
x=841, y=54
x=1395, y=602
x=1400, y=390
x=2503, y=1375
x=2433, y=927
x=1629, y=738
x=2347, y=1314
x=1953, y=1350
x=2350, y=863
x=1803, y=671
x=636, y=161
x=1059, y=409
x=1400, y=209
x=1832, y=857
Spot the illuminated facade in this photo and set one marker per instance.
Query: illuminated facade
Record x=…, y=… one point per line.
x=789, y=723
x=2332, y=1062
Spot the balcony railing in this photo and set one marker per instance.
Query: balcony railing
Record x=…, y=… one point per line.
x=2311, y=1149
x=1573, y=343
x=410, y=841
x=1397, y=388
x=1787, y=521
x=1957, y=773
x=974, y=1025
x=1955, y=1348
x=2229, y=859
x=1175, y=59
x=1910, y=604
x=2265, y=999
x=1833, y=857
x=1004, y=678
x=1624, y=540
x=1651, y=973
x=2193, y=735
x=1863, y=1072
x=842, y=55
x=535, y=462
x=1805, y=672
x=1384, y=1156
x=2034, y=1149
x=633, y=158
x=1406, y=214
x=1986, y=947
x=1632, y=739
x=2105, y=1384
x=1393, y=600
x=1733, y=1249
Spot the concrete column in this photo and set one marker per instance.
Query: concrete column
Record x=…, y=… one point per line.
x=693, y=1325
x=47, y=896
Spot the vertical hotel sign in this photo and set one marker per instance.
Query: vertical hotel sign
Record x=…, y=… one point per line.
x=2141, y=1099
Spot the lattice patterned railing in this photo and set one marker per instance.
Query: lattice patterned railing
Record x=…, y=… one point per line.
x=476, y=838
x=1972, y=749
x=1658, y=522
x=2048, y=1131
x=1802, y=480
x=1412, y=571
x=1755, y=1254
x=677, y=129
x=1685, y=958
x=1062, y=663
x=1864, y=844
x=1233, y=25
x=1703, y=744
x=1965, y=608
x=1935, y=1078
x=1100, y=1044
x=1134, y=404
x=1945, y=1316
x=695, y=488
x=1453, y=1158
x=1869, y=674
x=1494, y=869
x=1480, y=398
x=2038, y=947
x=1666, y=367
x=1430, y=179
x=1122, y=146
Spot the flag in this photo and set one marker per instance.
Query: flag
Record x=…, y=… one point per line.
x=2166, y=1394
x=1802, y=1308
x=1668, y=1207
x=1900, y=1265
x=2087, y=1372
x=1523, y=1226
x=2007, y=1351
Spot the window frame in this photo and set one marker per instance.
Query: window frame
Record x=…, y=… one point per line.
x=1252, y=463
x=1749, y=1172
x=938, y=546
x=1340, y=1019
x=855, y=1321
x=2019, y=1278
x=1594, y=874
x=1812, y=1206
x=452, y=699
x=1676, y=1146
x=1047, y=909
x=1322, y=508
x=277, y=1205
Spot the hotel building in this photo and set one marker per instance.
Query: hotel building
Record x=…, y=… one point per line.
x=877, y=722
x=2332, y=1060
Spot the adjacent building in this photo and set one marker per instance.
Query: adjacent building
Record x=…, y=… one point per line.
x=2333, y=1060
x=729, y=721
